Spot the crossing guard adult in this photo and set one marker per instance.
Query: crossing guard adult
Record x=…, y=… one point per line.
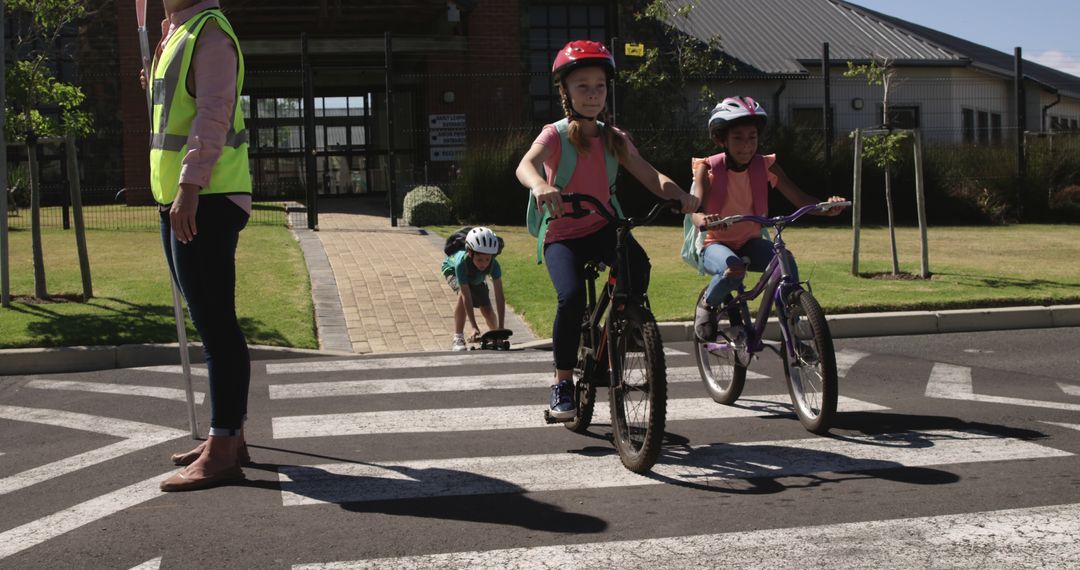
x=199, y=176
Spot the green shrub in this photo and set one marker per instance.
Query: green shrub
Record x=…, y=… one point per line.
x=487, y=190
x=426, y=206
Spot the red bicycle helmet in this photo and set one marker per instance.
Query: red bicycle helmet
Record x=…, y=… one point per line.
x=582, y=53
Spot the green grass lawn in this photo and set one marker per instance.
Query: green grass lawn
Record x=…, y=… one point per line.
x=132, y=299
x=970, y=266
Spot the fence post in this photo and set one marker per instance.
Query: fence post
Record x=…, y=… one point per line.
x=5, y=285
x=309, y=137
x=1021, y=126
x=826, y=114
x=390, y=127
x=920, y=202
x=77, y=213
x=856, y=204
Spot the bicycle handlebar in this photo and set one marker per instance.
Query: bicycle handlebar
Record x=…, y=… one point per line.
x=725, y=223
x=576, y=199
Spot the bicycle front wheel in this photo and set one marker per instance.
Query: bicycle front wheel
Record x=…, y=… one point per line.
x=811, y=374
x=638, y=392
x=720, y=370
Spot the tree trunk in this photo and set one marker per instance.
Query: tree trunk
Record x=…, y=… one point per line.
x=892, y=226
x=40, y=290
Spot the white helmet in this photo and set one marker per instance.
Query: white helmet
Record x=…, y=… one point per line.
x=736, y=110
x=482, y=240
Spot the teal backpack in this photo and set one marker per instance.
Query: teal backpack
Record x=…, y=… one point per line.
x=537, y=222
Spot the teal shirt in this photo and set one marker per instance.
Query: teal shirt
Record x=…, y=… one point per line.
x=461, y=266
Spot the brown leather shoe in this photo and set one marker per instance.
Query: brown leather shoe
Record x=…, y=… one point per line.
x=182, y=482
x=189, y=457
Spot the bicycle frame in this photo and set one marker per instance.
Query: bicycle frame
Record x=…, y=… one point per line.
x=776, y=283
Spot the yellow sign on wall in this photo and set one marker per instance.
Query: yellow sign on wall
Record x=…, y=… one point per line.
x=635, y=49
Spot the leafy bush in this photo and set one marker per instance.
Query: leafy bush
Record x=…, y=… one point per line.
x=426, y=206
x=488, y=191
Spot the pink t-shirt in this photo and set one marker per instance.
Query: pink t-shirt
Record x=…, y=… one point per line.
x=740, y=201
x=590, y=177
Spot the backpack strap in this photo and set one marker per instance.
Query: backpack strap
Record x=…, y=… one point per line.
x=568, y=157
x=759, y=182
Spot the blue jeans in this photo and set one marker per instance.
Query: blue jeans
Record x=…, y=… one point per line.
x=719, y=257
x=566, y=265
x=205, y=268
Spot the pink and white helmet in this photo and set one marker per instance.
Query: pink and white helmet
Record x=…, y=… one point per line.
x=734, y=111
x=482, y=240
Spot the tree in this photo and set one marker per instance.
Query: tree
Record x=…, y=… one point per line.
x=38, y=105
x=674, y=61
x=883, y=150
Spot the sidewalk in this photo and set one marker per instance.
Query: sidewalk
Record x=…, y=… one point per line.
x=390, y=295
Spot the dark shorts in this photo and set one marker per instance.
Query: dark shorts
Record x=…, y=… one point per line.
x=479, y=291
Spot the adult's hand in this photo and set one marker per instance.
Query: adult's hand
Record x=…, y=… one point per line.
x=182, y=212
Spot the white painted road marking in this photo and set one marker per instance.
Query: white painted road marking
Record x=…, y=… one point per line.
x=1064, y=425
x=446, y=384
x=119, y=389
x=710, y=466
x=1070, y=389
x=950, y=382
x=1013, y=538
x=520, y=417
x=173, y=369
x=149, y=564
x=134, y=436
x=34, y=533
x=847, y=358
x=419, y=361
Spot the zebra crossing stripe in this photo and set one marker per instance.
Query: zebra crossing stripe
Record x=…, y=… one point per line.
x=995, y=539
x=520, y=417
x=118, y=389
x=847, y=358
x=33, y=533
x=950, y=382
x=1070, y=389
x=446, y=384
x=715, y=465
x=1064, y=425
x=152, y=564
x=173, y=369
x=419, y=361
x=135, y=436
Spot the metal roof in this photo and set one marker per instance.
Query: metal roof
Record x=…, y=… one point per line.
x=774, y=36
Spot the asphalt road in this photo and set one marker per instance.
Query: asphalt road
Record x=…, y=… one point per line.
x=950, y=451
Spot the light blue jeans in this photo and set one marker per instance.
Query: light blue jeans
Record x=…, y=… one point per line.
x=718, y=258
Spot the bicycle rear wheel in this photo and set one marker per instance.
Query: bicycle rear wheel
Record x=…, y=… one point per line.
x=721, y=373
x=638, y=392
x=811, y=376
x=584, y=390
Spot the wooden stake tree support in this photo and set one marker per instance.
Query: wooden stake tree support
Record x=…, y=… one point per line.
x=920, y=196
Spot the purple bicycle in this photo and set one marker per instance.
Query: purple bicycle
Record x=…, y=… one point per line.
x=806, y=347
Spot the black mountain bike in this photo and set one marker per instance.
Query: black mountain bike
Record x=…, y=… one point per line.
x=620, y=349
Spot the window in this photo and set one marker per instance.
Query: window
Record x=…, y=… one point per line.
x=1074, y=125
x=550, y=27
x=995, y=128
x=807, y=118
x=904, y=117
x=968, y=125
x=982, y=122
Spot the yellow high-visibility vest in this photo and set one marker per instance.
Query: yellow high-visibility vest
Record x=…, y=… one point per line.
x=174, y=111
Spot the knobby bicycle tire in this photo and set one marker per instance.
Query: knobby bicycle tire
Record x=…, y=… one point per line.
x=722, y=375
x=638, y=392
x=584, y=390
x=812, y=381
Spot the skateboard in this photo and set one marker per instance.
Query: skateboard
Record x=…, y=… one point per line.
x=497, y=339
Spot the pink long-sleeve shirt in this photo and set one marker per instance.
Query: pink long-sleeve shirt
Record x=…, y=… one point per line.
x=213, y=81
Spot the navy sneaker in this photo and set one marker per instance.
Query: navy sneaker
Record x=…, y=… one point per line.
x=562, y=401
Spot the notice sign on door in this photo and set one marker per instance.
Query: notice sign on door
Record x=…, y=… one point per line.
x=446, y=136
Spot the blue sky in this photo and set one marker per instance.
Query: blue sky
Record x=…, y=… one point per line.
x=1045, y=29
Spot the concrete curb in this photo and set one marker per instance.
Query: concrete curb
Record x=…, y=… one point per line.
x=19, y=361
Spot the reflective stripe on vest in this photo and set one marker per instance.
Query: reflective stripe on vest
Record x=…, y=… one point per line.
x=174, y=112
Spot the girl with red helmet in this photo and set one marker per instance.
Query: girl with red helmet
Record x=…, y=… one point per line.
x=733, y=182
x=582, y=70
